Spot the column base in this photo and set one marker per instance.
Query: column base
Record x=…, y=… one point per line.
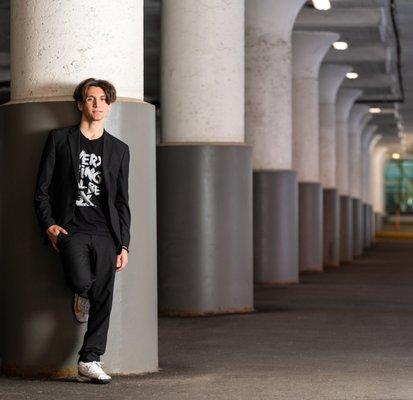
x=275, y=227
x=331, y=228
x=204, y=229
x=371, y=226
x=378, y=222
x=357, y=227
x=310, y=227
x=40, y=337
x=346, y=229
x=366, y=226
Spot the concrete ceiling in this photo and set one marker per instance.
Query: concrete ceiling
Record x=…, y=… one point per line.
x=380, y=35
x=380, y=46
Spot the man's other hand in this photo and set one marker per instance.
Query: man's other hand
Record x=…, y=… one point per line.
x=53, y=232
x=121, y=260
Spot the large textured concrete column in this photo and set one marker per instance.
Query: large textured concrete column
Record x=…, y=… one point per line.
x=204, y=167
x=331, y=77
x=40, y=335
x=268, y=119
x=373, y=143
x=365, y=186
x=379, y=158
x=309, y=49
x=359, y=117
x=344, y=102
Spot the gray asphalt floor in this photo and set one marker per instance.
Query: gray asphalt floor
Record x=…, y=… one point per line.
x=344, y=334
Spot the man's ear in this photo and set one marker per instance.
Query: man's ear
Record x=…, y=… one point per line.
x=80, y=106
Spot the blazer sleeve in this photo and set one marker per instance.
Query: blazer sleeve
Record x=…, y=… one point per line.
x=42, y=201
x=122, y=199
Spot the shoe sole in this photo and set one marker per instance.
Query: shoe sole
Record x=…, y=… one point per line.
x=86, y=379
x=74, y=312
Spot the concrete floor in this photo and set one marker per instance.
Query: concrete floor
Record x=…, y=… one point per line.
x=344, y=334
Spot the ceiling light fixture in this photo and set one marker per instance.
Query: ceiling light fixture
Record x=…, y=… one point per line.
x=340, y=45
x=375, y=110
x=322, y=5
x=352, y=75
x=395, y=156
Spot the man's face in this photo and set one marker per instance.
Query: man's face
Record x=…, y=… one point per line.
x=95, y=107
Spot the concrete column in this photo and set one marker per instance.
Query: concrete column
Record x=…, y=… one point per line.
x=359, y=116
x=309, y=49
x=378, y=160
x=365, y=187
x=50, y=54
x=368, y=137
x=331, y=77
x=204, y=167
x=374, y=224
x=268, y=119
x=344, y=101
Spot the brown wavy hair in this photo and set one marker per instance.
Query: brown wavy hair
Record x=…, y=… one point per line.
x=79, y=95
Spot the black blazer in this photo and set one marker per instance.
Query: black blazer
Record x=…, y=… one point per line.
x=58, y=176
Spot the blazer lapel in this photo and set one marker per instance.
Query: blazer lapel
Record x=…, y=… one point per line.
x=107, y=152
x=74, y=144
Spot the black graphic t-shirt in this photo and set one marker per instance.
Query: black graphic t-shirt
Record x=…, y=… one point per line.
x=90, y=214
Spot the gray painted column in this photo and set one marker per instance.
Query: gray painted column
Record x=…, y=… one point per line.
x=331, y=77
x=40, y=336
x=344, y=102
x=309, y=49
x=359, y=117
x=204, y=167
x=268, y=119
x=378, y=221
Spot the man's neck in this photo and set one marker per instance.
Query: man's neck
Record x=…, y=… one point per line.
x=91, y=129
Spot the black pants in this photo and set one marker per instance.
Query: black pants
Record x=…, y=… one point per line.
x=89, y=263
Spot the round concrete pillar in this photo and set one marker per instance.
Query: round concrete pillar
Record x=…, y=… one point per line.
x=50, y=53
x=366, y=139
x=268, y=119
x=378, y=221
x=202, y=54
x=379, y=158
x=268, y=82
x=309, y=49
x=359, y=116
x=331, y=77
x=372, y=146
x=49, y=56
x=344, y=101
x=204, y=168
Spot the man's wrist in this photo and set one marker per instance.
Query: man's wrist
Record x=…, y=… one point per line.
x=126, y=248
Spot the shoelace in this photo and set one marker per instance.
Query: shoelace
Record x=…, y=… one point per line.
x=92, y=366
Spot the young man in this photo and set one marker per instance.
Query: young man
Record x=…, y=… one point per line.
x=81, y=202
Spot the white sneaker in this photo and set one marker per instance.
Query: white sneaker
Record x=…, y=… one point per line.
x=81, y=307
x=92, y=372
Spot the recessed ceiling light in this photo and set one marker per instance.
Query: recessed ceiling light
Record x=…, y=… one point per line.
x=352, y=75
x=375, y=110
x=395, y=156
x=340, y=45
x=322, y=4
